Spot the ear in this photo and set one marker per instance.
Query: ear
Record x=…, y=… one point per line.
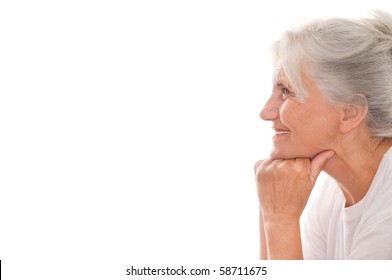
x=353, y=113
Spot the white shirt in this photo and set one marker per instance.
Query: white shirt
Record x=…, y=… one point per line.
x=362, y=231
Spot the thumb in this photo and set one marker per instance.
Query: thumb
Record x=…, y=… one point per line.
x=317, y=164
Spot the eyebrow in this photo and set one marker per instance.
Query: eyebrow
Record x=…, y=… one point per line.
x=278, y=80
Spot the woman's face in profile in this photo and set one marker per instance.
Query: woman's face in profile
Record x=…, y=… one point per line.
x=302, y=129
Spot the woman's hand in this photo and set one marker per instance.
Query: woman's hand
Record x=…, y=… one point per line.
x=284, y=186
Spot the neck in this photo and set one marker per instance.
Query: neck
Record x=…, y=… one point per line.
x=355, y=165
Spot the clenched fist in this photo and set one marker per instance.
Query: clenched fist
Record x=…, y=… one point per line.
x=284, y=186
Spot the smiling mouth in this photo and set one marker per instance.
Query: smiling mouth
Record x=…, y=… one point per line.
x=282, y=132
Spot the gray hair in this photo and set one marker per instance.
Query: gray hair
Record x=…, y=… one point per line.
x=347, y=59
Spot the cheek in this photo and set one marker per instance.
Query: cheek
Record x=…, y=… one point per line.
x=309, y=125
x=291, y=114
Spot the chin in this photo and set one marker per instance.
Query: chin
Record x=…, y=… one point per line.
x=276, y=154
x=279, y=154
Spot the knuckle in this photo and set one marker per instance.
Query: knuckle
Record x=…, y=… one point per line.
x=259, y=168
x=301, y=166
x=282, y=165
x=298, y=167
x=256, y=166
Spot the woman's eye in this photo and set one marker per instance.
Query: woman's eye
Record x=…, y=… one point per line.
x=285, y=93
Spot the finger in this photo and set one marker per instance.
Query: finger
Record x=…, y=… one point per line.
x=318, y=162
x=259, y=162
x=256, y=167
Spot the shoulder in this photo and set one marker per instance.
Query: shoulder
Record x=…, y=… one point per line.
x=385, y=166
x=378, y=200
x=380, y=192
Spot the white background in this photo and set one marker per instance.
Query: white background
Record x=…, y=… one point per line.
x=129, y=130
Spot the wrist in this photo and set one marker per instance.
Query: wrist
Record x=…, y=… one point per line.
x=281, y=219
x=283, y=238
x=281, y=224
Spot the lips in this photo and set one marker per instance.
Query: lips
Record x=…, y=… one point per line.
x=282, y=132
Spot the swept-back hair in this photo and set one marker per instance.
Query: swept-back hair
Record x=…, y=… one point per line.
x=347, y=59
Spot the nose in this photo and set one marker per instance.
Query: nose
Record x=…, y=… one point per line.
x=270, y=110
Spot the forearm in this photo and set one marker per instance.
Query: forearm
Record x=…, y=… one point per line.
x=283, y=239
x=263, y=243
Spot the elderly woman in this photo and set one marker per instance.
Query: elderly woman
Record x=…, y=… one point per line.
x=331, y=109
